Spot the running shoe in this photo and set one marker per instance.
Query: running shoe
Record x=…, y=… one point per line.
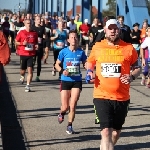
x=70, y=130
x=37, y=79
x=53, y=73
x=27, y=88
x=22, y=80
x=147, y=85
x=143, y=81
x=60, y=118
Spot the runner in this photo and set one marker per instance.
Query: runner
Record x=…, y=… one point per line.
x=71, y=79
x=26, y=41
x=39, y=53
x=5, y=27
x=145, y=54
x=59, y=38
x=48, y=30
x=135, y=35
x=84, y=30
x=113, y=59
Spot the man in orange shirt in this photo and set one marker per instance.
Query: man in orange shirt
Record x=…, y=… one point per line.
x=112, y=58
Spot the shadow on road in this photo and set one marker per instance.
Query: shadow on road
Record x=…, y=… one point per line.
x=12, y=135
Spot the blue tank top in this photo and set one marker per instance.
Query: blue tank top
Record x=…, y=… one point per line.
x=59, y=43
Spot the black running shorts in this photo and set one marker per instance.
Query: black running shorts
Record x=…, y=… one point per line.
x=68, y=85
x=46, y=43
x=111, y=113
x=26, y=61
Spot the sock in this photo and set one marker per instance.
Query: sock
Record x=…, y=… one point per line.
x=69, y=123
x=28, y=84
x=22, y=76
x=63, y=113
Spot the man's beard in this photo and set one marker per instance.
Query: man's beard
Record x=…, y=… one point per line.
x=114, y=39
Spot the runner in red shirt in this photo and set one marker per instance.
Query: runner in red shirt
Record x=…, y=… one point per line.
x=84, y=30
x=27, y=44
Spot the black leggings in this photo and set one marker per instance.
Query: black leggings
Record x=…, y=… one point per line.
x=38, y=58
x=12, y=35
x=56, y=53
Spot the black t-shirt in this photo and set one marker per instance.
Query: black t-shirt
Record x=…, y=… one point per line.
x=40, y=31
x=18, y=25
x=94, y=30
x=137, y=34
x=47, y=29
x=125, y=34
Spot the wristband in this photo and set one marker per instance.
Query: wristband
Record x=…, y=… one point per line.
x=89, y=70
x=61, y=71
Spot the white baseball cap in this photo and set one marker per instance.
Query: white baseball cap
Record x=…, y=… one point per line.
x=85, y=20
x=112, y=22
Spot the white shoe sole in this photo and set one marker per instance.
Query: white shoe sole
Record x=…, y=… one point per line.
x=27, y=90
x=68, y=132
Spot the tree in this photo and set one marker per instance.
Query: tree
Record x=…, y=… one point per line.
x=111, y=11
x=6, y=11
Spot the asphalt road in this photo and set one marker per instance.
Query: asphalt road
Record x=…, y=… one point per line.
x=29, y=120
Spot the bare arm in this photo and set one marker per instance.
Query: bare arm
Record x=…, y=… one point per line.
x=59, y=69
x=54, y=37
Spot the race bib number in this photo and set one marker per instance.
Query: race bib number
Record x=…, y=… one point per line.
x=73, y=68
x=60, y=45
x=29, y=47
x=18, y=28
x=110, y=70
x=39, y=40
x=47, y=29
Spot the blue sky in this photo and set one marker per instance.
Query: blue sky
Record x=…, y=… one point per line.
x=13, y=4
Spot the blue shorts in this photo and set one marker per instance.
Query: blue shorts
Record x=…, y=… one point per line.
x=147, y=67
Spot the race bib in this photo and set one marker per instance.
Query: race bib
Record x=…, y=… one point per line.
x=85, y=37
x=73, y=68
x=47, y=29
x=60, y=44
x=110, y=70
x=29, y=47
x=18, y=28
x=39, y=40
x=136, y=46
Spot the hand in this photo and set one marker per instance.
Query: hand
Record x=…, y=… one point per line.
x=65, y=72
x=126, y=79
x=24, y=42
x=143, y=62
x=89, y=76
x=56, y=35
x=134, y=37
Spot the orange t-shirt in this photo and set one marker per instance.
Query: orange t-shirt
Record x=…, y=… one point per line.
x=112, y=62
x=143, y=33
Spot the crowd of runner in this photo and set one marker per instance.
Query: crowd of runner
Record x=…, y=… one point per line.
x=117, y=54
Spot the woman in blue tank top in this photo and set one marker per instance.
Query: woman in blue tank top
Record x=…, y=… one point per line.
x=59, y=37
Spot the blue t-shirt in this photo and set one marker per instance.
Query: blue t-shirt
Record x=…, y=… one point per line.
x=71, y=62
x=59, y=43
